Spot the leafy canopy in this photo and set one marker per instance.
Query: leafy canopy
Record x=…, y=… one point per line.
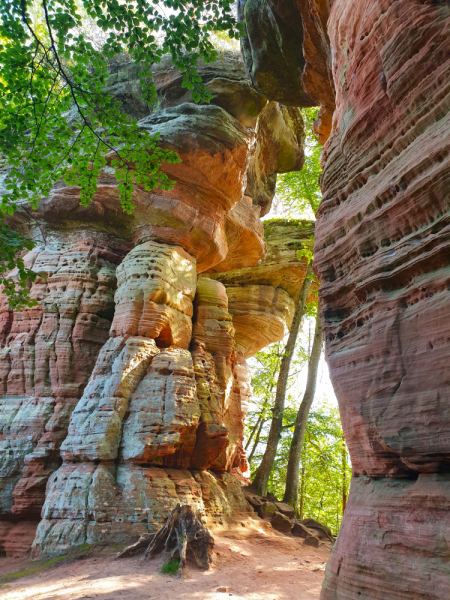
x=325, y=468
x=299, y=191
x=57, y=122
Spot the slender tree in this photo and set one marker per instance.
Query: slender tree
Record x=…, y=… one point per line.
x=344, y=475
x=253, y=431
x=302, y=493
x=262, y=475
x=295, y=451
x=257, y=438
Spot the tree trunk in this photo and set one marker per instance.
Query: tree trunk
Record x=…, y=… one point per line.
x=302, y=493
x=255, y=429
x=255, y=445
x=262, y=475
x=344, y=476
x=295, y=451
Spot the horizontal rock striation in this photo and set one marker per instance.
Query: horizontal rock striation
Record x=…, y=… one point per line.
x=125, y=389
x=393, y=542
x=89, y=503
x=382, y=250
x=47, y=354
x=262, y=298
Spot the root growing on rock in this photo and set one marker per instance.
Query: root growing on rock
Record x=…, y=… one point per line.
x=183, y=537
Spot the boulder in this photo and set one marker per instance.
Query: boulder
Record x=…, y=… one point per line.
x=312, y=540
x=267, y=510
x=285, y=509
x=281, y=523
x=299, y=530
x=322, y=531
x=253, y=499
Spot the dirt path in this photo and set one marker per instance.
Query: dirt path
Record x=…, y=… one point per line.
x=254, y=564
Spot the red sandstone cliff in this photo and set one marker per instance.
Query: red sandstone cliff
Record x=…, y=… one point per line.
x=382, y=256
x=381, y=253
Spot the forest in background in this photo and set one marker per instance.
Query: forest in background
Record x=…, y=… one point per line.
x=325, y=467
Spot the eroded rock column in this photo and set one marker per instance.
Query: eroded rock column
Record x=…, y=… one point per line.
x=160, y=420
x=46, y=356
x=140, y=405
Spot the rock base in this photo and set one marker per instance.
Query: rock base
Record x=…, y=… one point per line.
x=393, y=542
x=97, y=504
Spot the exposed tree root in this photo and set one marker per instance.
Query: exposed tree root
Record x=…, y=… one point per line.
x=138, y=547
x=182, y=537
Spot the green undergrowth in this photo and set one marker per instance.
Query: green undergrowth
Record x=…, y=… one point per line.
x=170, y=568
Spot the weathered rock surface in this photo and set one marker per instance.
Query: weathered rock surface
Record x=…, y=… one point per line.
x=16, y=538
x=91, y=504
x=272, y=49
x=279, y=143
x=226, y=79
x=128, y=371
x=280, y=267
x=243, y=229
x=220, y=432
x=261, y=298
x=287, y=54
x=46, y=358
x=394, y=540
x=279, y=149
x=382, y=251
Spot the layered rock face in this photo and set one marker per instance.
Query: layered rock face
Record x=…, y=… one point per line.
x=125, y=389
x=382, y=251
x=47, y=355
x=262, y=298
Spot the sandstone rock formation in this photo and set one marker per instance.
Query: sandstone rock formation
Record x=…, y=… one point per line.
x=287, y=54
x=124, y=390
x=382, y=257
x=261, y=299
x=47, y=355
x=381, y=254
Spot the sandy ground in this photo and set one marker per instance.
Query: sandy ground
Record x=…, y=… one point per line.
x=254, y=563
